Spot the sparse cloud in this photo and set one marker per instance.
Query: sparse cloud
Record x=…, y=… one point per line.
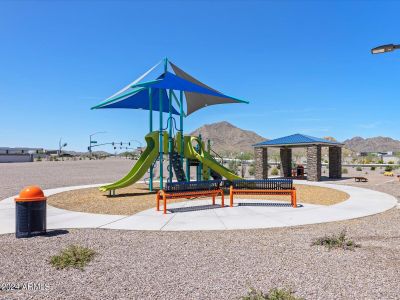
x=375, y=124
x=314, y=130
x=304, y=110
x=90, y=98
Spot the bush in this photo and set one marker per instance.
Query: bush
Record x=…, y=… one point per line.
x=273, y=294
x=74, y=256
x=388, y=169
x=345, y=171
x=339, y=241
x=373, y=168
x=358, y=169
x=391, y=162
x=252, y=170
x=274, y=172
x=233, y=166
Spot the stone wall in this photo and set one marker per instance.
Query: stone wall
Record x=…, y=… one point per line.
x=286, y=162
x=335, y=162
x=314, y=163
x=261, y=163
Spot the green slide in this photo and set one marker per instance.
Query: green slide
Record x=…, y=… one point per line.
x=204, y=157
x=148, y=157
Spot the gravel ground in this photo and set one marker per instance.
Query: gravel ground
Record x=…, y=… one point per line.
x=212, y=265
x=207, y=265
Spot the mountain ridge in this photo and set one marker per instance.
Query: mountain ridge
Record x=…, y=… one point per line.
x=229, y=139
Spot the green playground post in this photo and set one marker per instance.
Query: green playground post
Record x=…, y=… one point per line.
x=151, y=130
x=170, y=144
x=161, y=140
x=181, y=123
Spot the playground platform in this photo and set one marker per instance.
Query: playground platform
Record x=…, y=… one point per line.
x=201, y=215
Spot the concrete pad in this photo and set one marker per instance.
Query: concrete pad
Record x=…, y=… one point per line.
x=143, y=222
x=199, y=215
x=184, y=222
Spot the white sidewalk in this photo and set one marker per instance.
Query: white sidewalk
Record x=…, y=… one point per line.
x=250, y=214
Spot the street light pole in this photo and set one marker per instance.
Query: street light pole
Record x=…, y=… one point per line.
x=90, y=141
x=60, y=146
x=384, y=48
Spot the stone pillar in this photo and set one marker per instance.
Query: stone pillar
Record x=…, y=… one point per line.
x=261, y=163
x=335, y=162
x=286, y=162
x=314, y=163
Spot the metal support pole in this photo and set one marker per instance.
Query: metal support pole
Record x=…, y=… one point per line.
x=200, y=167
x=90, y=146
x=181, y=124
x=209, y=152
x=187, y=169
x=151, y=130
x=161, y=149
x=170, y=142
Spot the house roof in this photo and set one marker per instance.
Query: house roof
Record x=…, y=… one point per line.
x=297, y=140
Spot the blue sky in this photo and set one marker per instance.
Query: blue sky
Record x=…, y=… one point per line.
x=304, y=66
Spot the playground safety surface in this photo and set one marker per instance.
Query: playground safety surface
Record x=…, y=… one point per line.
x=137, y=198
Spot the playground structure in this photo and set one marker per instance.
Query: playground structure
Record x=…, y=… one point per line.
x=159, y=95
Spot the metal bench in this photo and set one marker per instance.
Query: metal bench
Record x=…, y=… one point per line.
x=191, y=189
x=360, y=179
x=263, y=187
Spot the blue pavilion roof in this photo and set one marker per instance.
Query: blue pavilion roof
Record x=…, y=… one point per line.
x=297, y=140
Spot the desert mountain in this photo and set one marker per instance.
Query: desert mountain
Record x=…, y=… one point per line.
x=227, y=138
x=375, y=144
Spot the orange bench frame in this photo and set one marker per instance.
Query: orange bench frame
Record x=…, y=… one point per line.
x=291, y=192
x=187, y=194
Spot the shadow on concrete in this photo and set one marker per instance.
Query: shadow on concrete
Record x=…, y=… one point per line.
x=193, y=208
x=268, y=204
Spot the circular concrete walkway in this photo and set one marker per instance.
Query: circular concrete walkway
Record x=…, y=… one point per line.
x=201, y=215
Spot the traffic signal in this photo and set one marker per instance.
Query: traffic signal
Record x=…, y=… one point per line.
x=129, y=143
x=112, y=144
x=121, y=143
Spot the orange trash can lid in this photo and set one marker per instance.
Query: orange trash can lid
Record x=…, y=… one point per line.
x=31, y=193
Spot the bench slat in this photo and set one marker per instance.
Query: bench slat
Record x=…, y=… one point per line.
x=206, y=185
x=263, y=184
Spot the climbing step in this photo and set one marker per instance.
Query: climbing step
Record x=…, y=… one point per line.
x=178, y=167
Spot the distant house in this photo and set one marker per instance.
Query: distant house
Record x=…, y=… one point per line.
x=18, y=154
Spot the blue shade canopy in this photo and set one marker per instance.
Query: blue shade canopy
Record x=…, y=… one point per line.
x=297, y=140
x=197, y=94
x=173, y=82
x=138, y=99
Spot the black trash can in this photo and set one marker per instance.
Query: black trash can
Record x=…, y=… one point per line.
x=30, y=212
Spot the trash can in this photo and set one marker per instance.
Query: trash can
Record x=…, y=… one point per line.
x=30, y=212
